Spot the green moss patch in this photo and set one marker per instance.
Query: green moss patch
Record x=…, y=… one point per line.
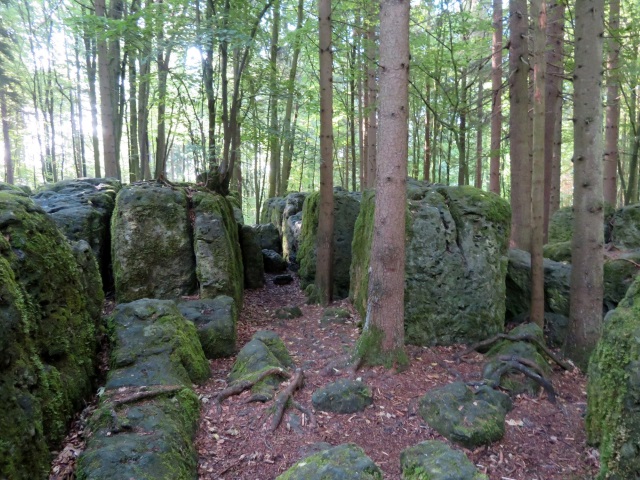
x=434, y=460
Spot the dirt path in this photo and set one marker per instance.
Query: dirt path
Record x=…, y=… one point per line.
x=542, y=441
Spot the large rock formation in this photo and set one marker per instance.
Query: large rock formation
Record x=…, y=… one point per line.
x=272, y=211
x=48, y=323
x=456, y=245
x=217, y=249
x=152, y=245
x=613, y=391
x=252, y=261
x=82, y=208
x=346, y=206
x=292, y=225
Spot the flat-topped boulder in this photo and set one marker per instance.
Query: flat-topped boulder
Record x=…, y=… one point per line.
x=456, y=243
x=435, y=460
x=215, y=320
x=343, y=396
x=48, y=334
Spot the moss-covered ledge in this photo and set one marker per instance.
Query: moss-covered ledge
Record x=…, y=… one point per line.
x=147, y=418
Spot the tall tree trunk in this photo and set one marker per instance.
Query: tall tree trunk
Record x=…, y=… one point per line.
x=324, y=246
x=586, y=293
x=519, y=130
x=612, y=125
x=90, y=60
x=288, y=132
x=108, y=90
x=479, y=131
x=274, y=133
x=372, y=123
x=134, y=150
x=496, y=99
x=382, y=339
x=163, y=58
x=83, y=157
x=143, y=102
x=207, y=75
x=553, y=106
x=6, y=139
x=352, y=111
x=539, y=16
x=461, y=137
x=427, y=137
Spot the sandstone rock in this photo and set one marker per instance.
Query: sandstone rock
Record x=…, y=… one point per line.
x=343, y=396
x=252, y=260
x=215, y=321
x=435, y=460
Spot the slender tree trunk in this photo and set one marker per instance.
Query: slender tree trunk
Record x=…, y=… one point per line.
x=274, y=133
x=6, y=139
x=83, y=156
x=612, y=125
x=90, y=60
x=352, y=112
x=427, y=137
x=324, y=246
x=519, y=126
x=586, y=294
x=143, y=103
x=461, y=137
x=539, y=16
x=382, y=339
x=372, y=123
x=134, y=152
x=288, y=132
x=553, y=93
x=479, y=131
x=163, y=58
x=496, y=99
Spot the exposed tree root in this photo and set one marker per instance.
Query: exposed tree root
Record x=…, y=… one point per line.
x=516, y=338
x=238, y=388
x=304, y=410
x=283, y=397
x=523, y=366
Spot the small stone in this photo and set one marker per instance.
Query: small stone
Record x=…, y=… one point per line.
x=343, y=396
x=435, y=460
x=284, y=279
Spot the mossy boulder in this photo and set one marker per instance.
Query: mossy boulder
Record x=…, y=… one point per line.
x=292, y=224
x=435, y=460
x=147, y=440
x=514, y=382
x=619, y=274
x=288, y=313
x=272, y=211
x=344, y=462
x=217, y=248
x=215, y=321
x=469, y=418
x=48, y=335
x=334, y=315
x=557, y=277
x=153, y=344
x=273, y=261
x=561, y=224
x=613, y=390
x=343, y=396
x=558, y=252
x=252, y=261
x=152, y=247
x=268, y=237
x=265, y=350
x=346, y=206
x=625, y=230
x=236, y=206
x=82, y=209
x=456, y=242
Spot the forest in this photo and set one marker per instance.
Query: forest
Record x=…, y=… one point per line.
x=141, y=89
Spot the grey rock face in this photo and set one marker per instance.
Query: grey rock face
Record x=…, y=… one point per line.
x=152, y=246
x=273, y=261
x=291, y=238
x=343, y=396
x=455, y=265
x=215, y=321
x=268, y=237
x=272, y=211
x=252, y=260
x=344, y=462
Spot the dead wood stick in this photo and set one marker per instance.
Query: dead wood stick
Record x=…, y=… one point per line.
x=515, y=338
x=525, y=361
x=145, y=394
x=540, y=380
x=238, y=388
x=308, y=413
x=283, y=397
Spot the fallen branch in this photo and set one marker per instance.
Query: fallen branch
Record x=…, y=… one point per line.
x=283, y=397
x=515, y=338
x=524, y=361
x=238, y=388
x=304, y=410
x=496, y=376
x=143, y=395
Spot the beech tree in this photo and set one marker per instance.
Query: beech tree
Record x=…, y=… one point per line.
x=382, y=339
x=585, y=313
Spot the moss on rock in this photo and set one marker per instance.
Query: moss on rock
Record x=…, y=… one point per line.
x=435, y=460
x=613, y=390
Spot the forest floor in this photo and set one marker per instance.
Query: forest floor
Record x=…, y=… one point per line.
x=542, y=440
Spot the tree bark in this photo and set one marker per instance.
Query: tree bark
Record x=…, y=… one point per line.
x=427, y=137
x=324, y=239
x=612, y=125
x=496, y=99
x=90, y=60
x=553, y=106
x=274, y=133
x=372, y=122
x=519, y=126
x=382, y=339
x=479, y=131
x=6, y=139
x=586, y=293
x=539, y=16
